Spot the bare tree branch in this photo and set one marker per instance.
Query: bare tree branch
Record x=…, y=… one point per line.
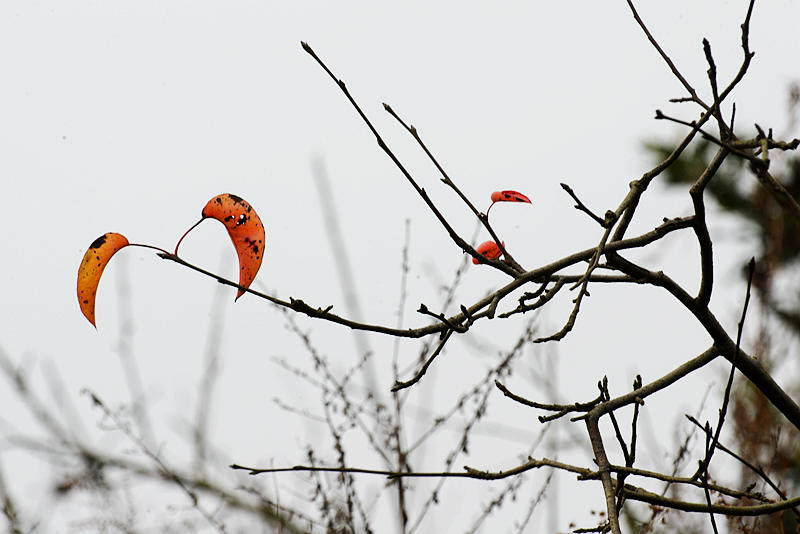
x=457, y=239
x=484, y=219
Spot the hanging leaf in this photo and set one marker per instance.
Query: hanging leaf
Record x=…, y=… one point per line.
x=489, y=250
x=245, y=230
x=91, y=269
x=509, y=196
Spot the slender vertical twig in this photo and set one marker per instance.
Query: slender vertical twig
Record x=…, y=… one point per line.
x=397, y=400
x=751, y=267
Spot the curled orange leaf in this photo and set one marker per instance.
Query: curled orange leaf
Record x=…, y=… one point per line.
x=509, y=196
x=245, y=230
x=91, y=269
x=489, y=250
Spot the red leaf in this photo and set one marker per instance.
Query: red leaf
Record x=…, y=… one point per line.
x=91, y=269
x=245, y=230
x=489, y=250
x=509, y=196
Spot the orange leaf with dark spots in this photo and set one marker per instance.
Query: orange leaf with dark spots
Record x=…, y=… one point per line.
x=245, y=230
x=489, y=250
x=509, y=196
x=91, y=269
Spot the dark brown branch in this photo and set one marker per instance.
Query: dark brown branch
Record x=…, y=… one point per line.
x=749, y=366
x=637, y=383
x=625, y=210
x=543, y=299
x=300, y=306
x=688, y=481
x=666, y=58
x=757, y=470
x=603, y=385
x=639, y=394
x=468, y=472
x=726, y=397
x=474, y=311
x=580, y=206
x=584, y=291
x=701, y=228
x=629, y=455
x=630, y=458
x=747, y=55
x=604, y=469
x=660, y=115
x=704, y=479
x=316, y=468
x=599, y=278
x=724, y=131
x=529, y=295
x=440, y=316
x=681, y=100
x=527, y=466
x=462, y=244
x=446, y=179
x=560, y=409
x=627, y=207
x=630, y=492
x=759, y=166
x=398, y=385
x=730, y=510
x=771, y=144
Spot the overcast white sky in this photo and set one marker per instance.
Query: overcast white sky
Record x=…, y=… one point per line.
x=129, y=116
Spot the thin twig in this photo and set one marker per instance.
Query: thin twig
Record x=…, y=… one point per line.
x=726, y=397
x=450, y=325
x=484, y=219
x=474, y=311
x=660, y=115
x=167, y=472
x=655, y=499
x=559, y=409
x=584, y=291
x=603, y=385
x=581, y=206
x=688, y=481
x=468, y=472
x=666, y=58
x=755, y=469
x=462, y=244
x=704, y=480
x=399, y=384
x=724, y=131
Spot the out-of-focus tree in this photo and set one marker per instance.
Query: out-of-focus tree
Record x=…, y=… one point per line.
x=763, y=436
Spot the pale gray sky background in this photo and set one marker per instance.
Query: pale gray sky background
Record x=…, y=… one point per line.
x=128, y=117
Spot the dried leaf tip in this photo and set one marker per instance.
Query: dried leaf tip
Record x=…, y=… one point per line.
x=510, y=196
